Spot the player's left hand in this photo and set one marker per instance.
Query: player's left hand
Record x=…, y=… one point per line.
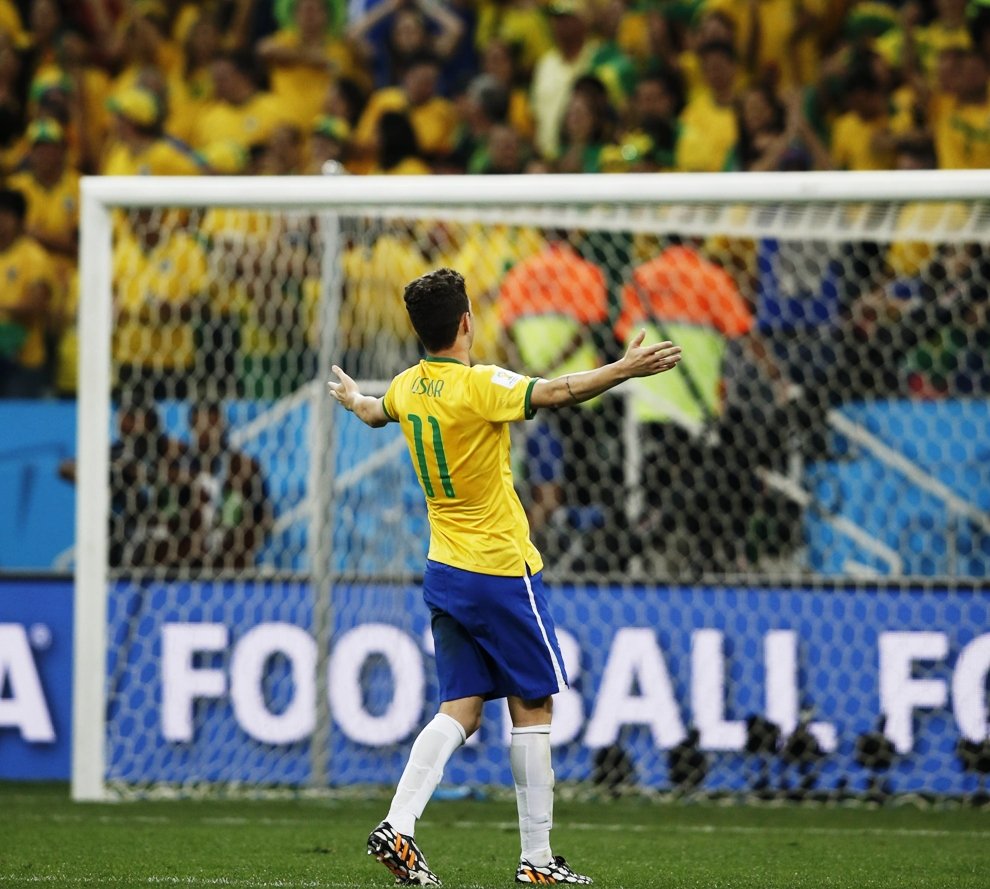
x=645, y=361
x=345, y=392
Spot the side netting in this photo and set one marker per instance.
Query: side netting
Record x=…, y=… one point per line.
x=767, y=568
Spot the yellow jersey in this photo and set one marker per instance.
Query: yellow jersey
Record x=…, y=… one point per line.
x=302, y=88
x=852, y=143
x=434, y=122
x=455, y=421
x=374, y=316
x=249, y=124
x=173, y=272
x=160, y=158
x=708, y=133
x=962, y=137
x=22, y=265
x=52, y=212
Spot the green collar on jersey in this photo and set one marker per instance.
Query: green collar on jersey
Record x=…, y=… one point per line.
x=445, y=360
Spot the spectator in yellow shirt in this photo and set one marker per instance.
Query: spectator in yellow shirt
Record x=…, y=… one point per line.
x=916, y=45
x=304, y=60
x=587, y=127
x=520, y=24
x=708, y=130
x=907, y=259
x=776, y=38
x=962, y=131
x=397, y=147
x=499, y=62
x=240, y=112
x=558, y=68
x=137, y=146
x=159, y=277
x=711, y=26
x=24, y=301
x=861, y=137
x=49, y=96
x=142, y=41
x=375, y=331
x=484, y=258
x=433, y=118
x=648, y=137
x=190, y=93
x=51, y=188
x=89, y=116
x=11, y=24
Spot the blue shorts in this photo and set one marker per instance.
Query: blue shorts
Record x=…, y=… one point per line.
x=493, y=635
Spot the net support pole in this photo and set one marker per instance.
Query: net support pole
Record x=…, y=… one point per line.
x=632, y=462
x=92, y=501
x=323, y=458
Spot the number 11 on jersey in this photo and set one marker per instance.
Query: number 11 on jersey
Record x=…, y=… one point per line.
x=423, y=468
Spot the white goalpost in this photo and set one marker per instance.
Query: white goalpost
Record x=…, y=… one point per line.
x=849, y=444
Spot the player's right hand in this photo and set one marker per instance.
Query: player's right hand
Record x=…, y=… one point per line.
x=345, y=392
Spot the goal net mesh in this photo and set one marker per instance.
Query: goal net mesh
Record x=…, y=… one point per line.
x=765, y=566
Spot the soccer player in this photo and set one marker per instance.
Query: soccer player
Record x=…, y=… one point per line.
x=492, y=627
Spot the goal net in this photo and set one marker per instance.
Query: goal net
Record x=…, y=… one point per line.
x=767, y=568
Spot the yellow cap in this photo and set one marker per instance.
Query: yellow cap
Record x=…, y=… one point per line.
x=332, y=127
x=47, y=79
x=45, y=130
x=139, y=106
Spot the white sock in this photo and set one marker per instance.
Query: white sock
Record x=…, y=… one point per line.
x=429, y=754
x=529, y=756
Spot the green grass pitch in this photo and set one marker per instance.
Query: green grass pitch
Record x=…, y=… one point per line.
x=48, y=841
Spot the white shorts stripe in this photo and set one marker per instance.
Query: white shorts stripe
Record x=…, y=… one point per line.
x=557, y=672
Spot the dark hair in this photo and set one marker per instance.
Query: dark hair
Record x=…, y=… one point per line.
x=354, y=97
x=435, y=303
x=491, y=96
x=746, y=143
x=246, y=64
x=720, y=47
x=919, y=149
x=861, y=76
x=671, y=80
x=593, y=91
x=396, y=139
x=12, y=201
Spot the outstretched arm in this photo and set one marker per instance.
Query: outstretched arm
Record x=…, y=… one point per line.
x=639, y=361
x=367, y=408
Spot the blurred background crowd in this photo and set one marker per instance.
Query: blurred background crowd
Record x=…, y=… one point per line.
x=220, y=304
x=280, y=87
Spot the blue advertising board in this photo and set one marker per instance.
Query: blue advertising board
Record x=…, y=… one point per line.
x=201, y=668
x=35, y=678
x=217, y=681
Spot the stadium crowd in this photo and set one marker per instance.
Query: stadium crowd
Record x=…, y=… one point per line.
x=136, y=87
x=281, y=87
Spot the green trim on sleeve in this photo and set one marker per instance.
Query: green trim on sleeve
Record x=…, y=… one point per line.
x=529, y=411
x=387, y=412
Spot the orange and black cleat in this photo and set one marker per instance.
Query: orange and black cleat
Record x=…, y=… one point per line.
x=557, y=871
x=401, y=856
